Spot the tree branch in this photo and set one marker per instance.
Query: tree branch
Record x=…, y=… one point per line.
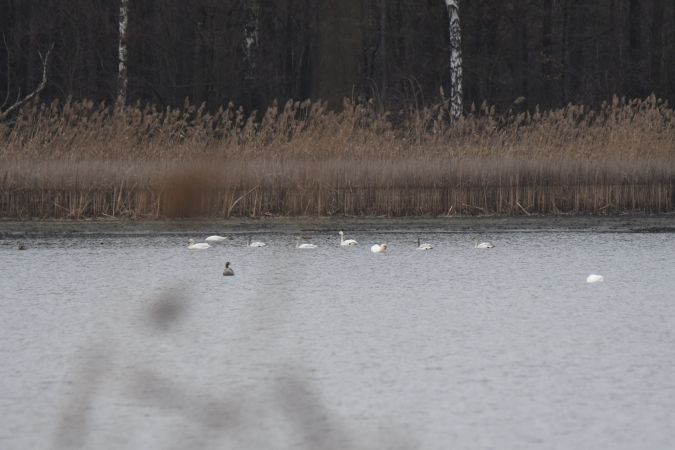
x=21, y=101
x=9, y=69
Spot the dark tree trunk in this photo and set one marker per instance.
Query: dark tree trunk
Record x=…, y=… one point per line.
x=657, y=56
x=547, y=46
x=383, y=48
x=635, y=46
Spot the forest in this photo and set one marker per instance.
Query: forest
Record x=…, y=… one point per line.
x=544, y=52
x=298, y=107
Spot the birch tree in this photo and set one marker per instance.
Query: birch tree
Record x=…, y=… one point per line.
x=122, y=80
x=456, y=107
x=250, y=44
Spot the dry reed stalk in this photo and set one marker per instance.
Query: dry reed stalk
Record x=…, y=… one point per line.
x=79, y=159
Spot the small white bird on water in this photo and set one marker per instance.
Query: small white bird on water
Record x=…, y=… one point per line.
x=423, y=246
x=255, y=243
x=216, y=239
x=595, y=278
x=303, y=246
x=346, y=242
x=379, y=248
x=228, y=272
x=194, y=246
x=484, y=245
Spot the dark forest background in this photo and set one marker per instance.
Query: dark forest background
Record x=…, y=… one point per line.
x=550, y=52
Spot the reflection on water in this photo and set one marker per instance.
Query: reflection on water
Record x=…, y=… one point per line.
x=136, y=342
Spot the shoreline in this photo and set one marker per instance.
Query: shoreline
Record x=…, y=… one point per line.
x=624, y=223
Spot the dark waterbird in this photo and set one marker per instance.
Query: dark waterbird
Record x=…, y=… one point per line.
x=228, y=272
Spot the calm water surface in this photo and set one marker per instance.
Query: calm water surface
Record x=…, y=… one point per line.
x=136, y=342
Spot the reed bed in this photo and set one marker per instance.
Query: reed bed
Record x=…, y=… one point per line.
x=80, y=159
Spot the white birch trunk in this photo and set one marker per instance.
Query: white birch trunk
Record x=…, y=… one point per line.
x=122, y=69
x=456, y=107
x=251, y=37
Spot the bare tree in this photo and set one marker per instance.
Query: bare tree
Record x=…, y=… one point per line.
x=122, y=79
x=251, y=37
x=456, y=107
x=5, y=108
x=383, y=45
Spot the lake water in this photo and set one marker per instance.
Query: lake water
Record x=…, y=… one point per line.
x=133, y=341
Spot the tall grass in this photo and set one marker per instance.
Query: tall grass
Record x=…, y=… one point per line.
x=80, y=159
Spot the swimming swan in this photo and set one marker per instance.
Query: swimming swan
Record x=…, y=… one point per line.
x=255, y=243
x=304, y=246
x=378, y=248
x=228, y=272
x=216, y=239
x=346, y=242
x=423, y=246
x=484, y=245
x=200, y=246
x=594, y=278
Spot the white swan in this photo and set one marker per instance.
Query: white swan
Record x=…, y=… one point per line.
x=216, y=239
x=255, y=243
x=228, y=272
x=594, y=278
x=484, y=245
x=200, y=246
x=423, y=246
x=378, y=248
x=346, y=242
x=304, y=246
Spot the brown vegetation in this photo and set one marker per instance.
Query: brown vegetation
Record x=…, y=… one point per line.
x=80, y=159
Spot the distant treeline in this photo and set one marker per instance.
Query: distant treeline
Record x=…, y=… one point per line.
x=538, y=52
